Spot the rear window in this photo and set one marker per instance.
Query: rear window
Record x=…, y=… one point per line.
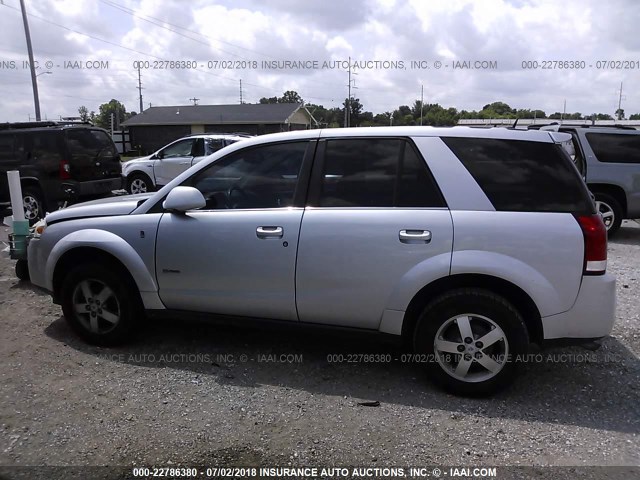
x=523, y=176
x=615, y=148
x=90, y=143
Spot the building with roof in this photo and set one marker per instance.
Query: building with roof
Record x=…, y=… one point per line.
x=157, y=126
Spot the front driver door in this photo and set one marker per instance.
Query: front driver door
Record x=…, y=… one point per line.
x=237, y=255
x=173, y=160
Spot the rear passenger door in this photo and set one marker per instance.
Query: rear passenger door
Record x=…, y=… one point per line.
x=374, y=214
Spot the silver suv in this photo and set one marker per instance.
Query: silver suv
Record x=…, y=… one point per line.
x=469, y=243
x=145, y=174
x=609, y=160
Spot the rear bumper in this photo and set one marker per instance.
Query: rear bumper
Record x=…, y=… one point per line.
x=592, y=315
x=94, y=187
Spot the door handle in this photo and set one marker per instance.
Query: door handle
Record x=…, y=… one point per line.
x=269, y=232
x=414, y=236
x=185, y=163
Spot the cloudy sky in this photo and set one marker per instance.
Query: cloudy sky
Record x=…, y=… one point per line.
x=384, y=36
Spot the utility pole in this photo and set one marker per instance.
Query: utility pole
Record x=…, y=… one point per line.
x=347, y=110
x=194, y=100
x=241, y=102
x=34, y=82
x=140, y=88
x=564, y=111
x=421, y=101
x=620, y=98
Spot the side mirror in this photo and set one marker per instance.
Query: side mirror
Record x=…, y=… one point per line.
x=181, y=199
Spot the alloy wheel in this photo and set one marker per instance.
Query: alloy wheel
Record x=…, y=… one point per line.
x=471, y=348
x=138, y=185
x=606, y=212
x=31, y=207
x=96, y=306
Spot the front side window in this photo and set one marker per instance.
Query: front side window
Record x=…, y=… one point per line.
x=261, y=177
x=615, y=148
x=376, y=172
x=179, y=149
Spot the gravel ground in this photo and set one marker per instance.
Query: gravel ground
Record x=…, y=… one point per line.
x=196, y=394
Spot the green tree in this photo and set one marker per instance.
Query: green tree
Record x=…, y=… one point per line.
x=265, y=100
x=634, y=116
x=290, y=96
x=103, y=118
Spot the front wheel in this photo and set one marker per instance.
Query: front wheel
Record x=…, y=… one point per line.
x=99, y=306
x=139, y=183
x=472, y=338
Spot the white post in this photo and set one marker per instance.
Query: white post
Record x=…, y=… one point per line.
x=15, y=192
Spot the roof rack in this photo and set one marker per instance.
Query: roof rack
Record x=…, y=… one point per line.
x=579, y=125
x=45, y=123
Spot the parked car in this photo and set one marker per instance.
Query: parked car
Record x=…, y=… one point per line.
x=609, y=160
x=58, y=162
x=470, y=244
x=145, y=174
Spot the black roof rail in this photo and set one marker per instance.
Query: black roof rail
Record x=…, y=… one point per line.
x=45, y=123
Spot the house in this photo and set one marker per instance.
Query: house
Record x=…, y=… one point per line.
x=157, y=126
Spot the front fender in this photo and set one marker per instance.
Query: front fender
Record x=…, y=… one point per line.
x=109, y=243
x=146, y=167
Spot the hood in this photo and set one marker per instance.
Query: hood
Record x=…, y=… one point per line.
x=121, y=205
x=137, y=161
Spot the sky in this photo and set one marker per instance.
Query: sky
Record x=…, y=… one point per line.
x=403, y=50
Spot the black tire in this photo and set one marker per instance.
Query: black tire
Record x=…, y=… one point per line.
x=484, y=311
x=606, y=204
x=22, y=270
x=33, y=204
x=123, y=303
x=139, y=182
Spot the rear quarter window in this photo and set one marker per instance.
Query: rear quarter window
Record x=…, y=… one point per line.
x=615, y=148
x=523, y=176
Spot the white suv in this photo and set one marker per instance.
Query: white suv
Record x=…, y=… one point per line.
x=469, y=243
x=146, y=174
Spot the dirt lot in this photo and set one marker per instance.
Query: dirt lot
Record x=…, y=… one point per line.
x=195, y=394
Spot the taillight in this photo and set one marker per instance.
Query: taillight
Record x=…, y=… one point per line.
x=595, y=244
x=65, y=170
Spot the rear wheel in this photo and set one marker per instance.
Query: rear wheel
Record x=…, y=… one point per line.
x=471, y=339
x=139, y=183
x=99, y=305
x=33, y=202
x=610, y=210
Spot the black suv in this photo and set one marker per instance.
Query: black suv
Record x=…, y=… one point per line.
x=58, y=162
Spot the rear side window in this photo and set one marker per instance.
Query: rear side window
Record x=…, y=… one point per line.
x=370, y=172
x=523, y=176
x=615, y=148
x=91, y=143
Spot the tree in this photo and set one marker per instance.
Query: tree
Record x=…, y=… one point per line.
x=103, y=119
x=290, y=96
x=84, y=113
x=634, y=116
x=265, y=100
